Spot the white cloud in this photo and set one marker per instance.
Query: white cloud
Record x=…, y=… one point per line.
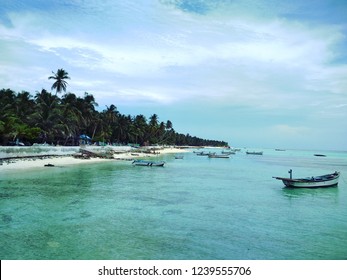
x=159, y=54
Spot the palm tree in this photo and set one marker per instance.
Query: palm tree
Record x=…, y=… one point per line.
x=140, y=123
x=153, y=128
x=109, y=119
x=48, y=115
x=60, y=84
x=168, y=125
x=71, y=117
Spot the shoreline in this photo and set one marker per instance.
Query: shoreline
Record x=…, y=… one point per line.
x=15, y=162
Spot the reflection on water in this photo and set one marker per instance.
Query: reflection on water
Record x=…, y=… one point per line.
x=323, y=193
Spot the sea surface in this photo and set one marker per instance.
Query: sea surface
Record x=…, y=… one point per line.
x=193, y=208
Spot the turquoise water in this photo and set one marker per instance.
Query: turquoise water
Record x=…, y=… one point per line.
x=195, y=208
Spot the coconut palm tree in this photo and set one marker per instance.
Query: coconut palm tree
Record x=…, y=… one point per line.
x=48, y=115
x=71, y=117
x=140, y=124
x=60, y=84
x=153, y=129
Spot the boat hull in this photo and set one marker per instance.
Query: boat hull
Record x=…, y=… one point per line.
x=255, y=153
x=329, y=180
x=291, y=184
x=218, y=156
x=148, y=163
x=178, y=157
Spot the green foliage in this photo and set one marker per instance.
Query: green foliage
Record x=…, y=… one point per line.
x=61, y=120
x=2, y=127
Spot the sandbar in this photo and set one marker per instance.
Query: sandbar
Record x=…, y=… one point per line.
x=61, y=160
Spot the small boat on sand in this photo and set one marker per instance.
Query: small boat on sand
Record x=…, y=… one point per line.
x=148, y=163
x=328, y=180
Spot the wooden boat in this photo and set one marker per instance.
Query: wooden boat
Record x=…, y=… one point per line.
x=228, y=152
x=218, y=156
x=254, y=153
x=204, y=154
x=328, y=180
x=148, y=163
x=178, y=157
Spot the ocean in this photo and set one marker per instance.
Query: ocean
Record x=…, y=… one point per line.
x=194, y=208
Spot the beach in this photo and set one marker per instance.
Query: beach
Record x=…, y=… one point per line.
x=19, y=159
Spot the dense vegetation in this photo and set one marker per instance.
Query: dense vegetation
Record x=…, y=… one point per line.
x=48, y=118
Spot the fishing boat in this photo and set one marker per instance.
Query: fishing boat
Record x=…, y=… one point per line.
x=205, y=154
x=218, y=156
x=228, y=152
x=254, y=153
x=148, y=163
x=328, y=180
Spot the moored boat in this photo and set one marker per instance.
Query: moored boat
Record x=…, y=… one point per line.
x=205, y=154
x=179, y=157
x=148, y=163
x=228, y=152
x=218, y=156
x=328, y=180
x=254, y=153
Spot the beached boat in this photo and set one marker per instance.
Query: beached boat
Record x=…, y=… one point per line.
x=328, y=180
x=254, y=153
x=148, y=163
x=218, y=156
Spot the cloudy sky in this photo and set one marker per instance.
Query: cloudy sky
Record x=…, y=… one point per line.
x=255, y=73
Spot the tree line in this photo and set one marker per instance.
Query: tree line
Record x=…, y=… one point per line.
x=48, y=118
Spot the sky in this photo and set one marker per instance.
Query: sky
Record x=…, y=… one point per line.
x=254, y=73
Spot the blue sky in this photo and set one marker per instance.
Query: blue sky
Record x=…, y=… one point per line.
x=254, y=73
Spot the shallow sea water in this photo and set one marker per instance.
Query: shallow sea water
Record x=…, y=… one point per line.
x=195, y=208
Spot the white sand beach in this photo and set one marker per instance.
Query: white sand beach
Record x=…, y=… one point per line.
x=59, y=159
